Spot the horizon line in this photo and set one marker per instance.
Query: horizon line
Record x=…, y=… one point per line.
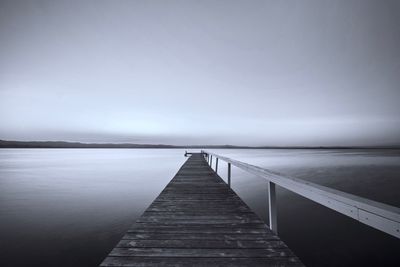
x=76, y=144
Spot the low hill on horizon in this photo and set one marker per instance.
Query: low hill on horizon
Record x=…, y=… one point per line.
x=65, y=144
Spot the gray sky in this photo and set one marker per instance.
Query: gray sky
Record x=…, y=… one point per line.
x=201, y=72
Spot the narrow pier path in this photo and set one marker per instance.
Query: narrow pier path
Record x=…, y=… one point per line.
x=197, y=220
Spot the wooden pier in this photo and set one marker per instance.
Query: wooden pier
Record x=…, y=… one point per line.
x=197, y=220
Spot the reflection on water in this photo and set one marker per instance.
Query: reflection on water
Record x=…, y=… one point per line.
x=68, y=207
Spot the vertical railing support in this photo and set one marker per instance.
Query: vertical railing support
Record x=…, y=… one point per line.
x=211, y=161
x=229, y=175
x=216, y=165
x=272, y=207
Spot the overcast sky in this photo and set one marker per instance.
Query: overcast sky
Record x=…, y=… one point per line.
x=201, y=72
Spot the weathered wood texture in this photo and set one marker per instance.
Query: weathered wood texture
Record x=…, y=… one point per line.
x=197, y=220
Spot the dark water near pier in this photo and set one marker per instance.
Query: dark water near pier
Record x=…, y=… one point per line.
x=68, y=207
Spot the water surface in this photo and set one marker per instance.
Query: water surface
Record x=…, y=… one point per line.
x=69, y=207
x=318, y=235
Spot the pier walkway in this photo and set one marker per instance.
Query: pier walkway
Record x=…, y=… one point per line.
x=197, y=220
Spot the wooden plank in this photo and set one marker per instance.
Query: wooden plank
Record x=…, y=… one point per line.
x=200, y=236
x=195, y=212
x=197, y=220
x=221, y=230
x=195, y=217
x=194, y=243
x=202, y=253
x=199, y=262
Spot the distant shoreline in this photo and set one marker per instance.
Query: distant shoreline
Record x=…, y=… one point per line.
x=64, y=144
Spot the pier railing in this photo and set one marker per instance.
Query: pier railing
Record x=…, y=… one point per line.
x=375, y=214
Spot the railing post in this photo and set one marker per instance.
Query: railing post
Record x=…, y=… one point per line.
x=216, y=165
x=272, y=207
x=211, y=161
x=229, y=175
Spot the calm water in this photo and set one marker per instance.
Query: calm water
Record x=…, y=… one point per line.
x=68, y=207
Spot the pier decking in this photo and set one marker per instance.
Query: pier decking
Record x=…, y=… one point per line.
x=197, y=220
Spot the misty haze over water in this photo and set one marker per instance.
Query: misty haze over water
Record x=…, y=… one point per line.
x=66, y=207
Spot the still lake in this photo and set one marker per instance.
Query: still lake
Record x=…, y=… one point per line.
x=69, y=207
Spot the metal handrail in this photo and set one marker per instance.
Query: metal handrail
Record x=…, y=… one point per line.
x=380, y=216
